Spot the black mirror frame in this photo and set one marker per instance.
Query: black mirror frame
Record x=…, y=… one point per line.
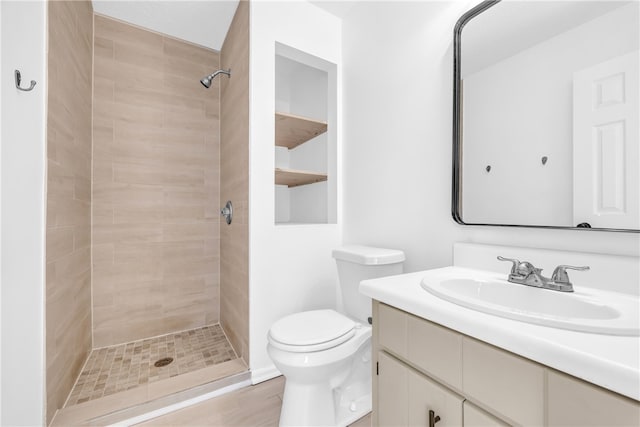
x=456, y=196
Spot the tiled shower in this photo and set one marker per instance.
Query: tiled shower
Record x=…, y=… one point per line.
x=134, y=266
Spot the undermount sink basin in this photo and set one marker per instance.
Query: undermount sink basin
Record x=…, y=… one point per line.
x=585, y=310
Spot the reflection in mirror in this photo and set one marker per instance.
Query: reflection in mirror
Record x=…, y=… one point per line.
x=546, y=117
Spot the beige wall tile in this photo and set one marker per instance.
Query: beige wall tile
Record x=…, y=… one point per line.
x=59, y=243
x=179, y=50
x=126, y=232
x=68, y=280
x=116, y=31
x=234, y=182
x=103, y=47
x=191, y=231
x=152, y=146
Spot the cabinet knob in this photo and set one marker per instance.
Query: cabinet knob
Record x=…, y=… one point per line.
x=433, y=418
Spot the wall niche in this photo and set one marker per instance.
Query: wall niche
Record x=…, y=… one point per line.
x=305, y=138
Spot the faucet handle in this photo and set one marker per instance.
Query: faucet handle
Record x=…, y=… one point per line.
x=519, y=268
x=514, y=267
x=560, y=273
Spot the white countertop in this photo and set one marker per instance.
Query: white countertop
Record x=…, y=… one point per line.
x=612, y=362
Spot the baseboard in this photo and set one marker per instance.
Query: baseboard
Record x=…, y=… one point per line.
x=264, y=374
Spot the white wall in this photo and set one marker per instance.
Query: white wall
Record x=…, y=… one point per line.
x=23, y=44
x=498, y=129
x=1, y=33
x=397, y=140
x=290, y=266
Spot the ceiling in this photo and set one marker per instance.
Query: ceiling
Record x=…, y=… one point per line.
x=203, y=22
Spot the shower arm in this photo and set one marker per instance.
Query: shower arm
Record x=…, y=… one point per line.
x=227, y=72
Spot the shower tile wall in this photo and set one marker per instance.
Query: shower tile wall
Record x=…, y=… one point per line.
x=234, y=183
x=155, y=185
x=68, y=251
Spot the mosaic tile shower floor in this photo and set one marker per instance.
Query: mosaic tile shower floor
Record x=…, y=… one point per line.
x=122, y=367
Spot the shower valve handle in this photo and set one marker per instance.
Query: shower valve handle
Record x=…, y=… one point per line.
x=227, y=212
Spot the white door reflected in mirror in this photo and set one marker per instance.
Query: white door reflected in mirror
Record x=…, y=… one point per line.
x=606, y=179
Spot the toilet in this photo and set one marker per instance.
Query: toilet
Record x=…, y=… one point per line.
x=324, y=355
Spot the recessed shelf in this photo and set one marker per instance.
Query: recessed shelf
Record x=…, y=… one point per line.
x=292, y=130
x=295, y=178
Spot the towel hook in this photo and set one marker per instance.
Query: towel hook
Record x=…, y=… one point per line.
x=19, y=79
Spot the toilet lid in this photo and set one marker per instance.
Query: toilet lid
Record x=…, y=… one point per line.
x=312, y=330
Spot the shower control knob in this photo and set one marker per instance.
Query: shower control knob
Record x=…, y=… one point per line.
x=227, y=212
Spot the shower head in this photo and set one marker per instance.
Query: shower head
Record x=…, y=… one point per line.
x=206, y=81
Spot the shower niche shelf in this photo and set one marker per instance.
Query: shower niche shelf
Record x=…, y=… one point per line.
x=292, y=130
x=294, y=178
x=305, y=138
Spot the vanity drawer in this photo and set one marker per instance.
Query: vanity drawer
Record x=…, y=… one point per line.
x=436, y=350
x=509, y=384
x=432, y=348
x=392, y=329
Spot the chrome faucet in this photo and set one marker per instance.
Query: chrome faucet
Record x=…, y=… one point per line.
x=524, y=273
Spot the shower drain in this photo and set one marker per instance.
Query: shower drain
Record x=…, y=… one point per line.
x=163, y=362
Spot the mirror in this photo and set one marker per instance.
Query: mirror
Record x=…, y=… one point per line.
x=546, y=115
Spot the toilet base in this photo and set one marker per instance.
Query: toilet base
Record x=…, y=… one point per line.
x=308, y=405
x=319, y=405
x=349, y=414
x=330, y=395
x=353, y=398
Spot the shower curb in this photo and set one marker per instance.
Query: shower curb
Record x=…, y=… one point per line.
x=119, y=407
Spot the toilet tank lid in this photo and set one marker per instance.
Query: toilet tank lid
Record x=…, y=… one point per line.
x=367, y=255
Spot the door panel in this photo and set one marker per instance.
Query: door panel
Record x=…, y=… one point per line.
x=606, y=181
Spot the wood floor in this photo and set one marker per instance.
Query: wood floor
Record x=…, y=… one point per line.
x=257, y=405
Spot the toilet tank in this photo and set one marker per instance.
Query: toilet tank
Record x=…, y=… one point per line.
x=357, y=263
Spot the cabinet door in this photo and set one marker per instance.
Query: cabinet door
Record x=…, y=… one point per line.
x=405, y=397
x=392, y=391
x=426, y=395
x=476, y=417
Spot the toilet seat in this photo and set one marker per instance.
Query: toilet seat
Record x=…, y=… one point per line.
x=310, y=331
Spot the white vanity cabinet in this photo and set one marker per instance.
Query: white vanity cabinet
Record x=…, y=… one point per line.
x=422, y=367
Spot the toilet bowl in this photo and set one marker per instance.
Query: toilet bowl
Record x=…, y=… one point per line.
x=324, y=355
